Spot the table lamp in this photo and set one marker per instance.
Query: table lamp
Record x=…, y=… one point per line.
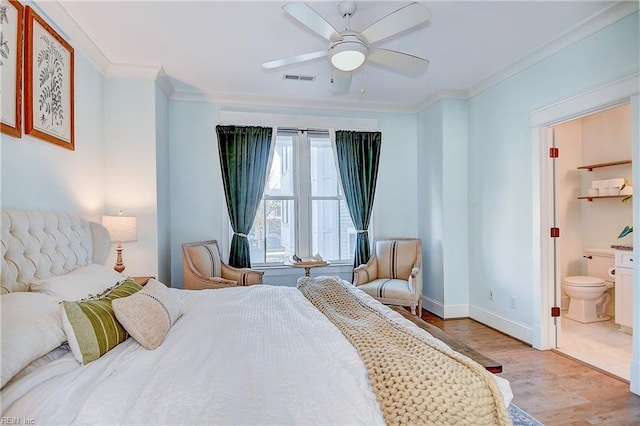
x=121, y=229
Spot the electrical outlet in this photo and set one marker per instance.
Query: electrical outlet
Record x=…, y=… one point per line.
x=513, y=302
x=491, y=294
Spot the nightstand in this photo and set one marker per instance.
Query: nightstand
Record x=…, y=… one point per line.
x=142, y=280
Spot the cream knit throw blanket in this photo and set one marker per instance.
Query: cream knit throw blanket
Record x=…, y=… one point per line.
x=415, y=381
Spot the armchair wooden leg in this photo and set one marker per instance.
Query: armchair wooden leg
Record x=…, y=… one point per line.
x=413, y=307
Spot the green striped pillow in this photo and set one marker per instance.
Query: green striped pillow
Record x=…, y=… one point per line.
x=91, y=325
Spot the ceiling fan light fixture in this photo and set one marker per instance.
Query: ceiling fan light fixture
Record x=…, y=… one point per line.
x=348, y=55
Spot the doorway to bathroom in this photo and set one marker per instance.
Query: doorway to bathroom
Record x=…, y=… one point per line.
x=546, y=280
x=592, y=174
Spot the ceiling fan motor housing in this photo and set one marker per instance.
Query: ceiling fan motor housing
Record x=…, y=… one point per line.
x=349, y=53
x=347, y=8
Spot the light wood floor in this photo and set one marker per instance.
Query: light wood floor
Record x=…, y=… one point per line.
x=551, y=387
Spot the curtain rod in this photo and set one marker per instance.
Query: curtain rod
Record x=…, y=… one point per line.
x=293, y=129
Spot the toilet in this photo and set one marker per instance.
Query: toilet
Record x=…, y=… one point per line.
x=588, y=300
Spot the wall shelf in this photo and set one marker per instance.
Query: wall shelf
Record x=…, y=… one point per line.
x=590, y=167
x=588, y=198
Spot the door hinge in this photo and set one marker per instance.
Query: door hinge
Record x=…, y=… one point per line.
x=555, y=311
x=555, y=232
x=554, y=152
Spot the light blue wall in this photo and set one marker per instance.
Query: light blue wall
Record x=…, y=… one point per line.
x=198, y=208
x=430, y=205
x=500, y=166
x=443, y=206
x=124, y=159
x=163, y=185
x=455, y=200
x=130, y=161
x=395, y=212
x=197, y=197
x=38, y=175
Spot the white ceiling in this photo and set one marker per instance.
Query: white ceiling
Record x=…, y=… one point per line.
x=215, y=49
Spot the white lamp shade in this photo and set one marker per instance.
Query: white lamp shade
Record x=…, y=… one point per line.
x=121, y=228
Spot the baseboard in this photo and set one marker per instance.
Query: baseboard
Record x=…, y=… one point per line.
x=456, y=311
x=445, y=311
x=433, y=306
x=502, y=324
x=635, y=373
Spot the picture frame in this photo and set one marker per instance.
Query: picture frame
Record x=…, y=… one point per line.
x=11, y=48
x=49, y=83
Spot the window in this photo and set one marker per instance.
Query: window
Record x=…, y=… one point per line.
x=303, y=210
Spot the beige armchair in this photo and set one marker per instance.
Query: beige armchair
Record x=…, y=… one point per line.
x=203, y=268
x=393, y=274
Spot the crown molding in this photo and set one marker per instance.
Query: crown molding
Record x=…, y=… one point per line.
x=443, y=94
x=589, y=26
x=57, y=16
x=243, y=99
x=164, y=82
x=603, y=97
x=142, y=72
x=133, y=71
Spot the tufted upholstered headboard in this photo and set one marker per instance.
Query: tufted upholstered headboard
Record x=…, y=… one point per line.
x=37, y=245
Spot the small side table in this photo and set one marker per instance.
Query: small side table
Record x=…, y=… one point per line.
x=142, y=280
x=308, y=265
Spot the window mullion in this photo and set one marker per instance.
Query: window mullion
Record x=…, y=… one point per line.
x=295, y=219
x=304, y=194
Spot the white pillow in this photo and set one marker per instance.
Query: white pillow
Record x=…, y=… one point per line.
x=80, y=283
x=148, y=314
x=31, y=328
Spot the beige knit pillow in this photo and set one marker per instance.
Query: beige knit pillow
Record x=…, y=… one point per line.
x=149, y=314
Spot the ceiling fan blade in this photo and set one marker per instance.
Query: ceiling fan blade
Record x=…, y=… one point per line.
x=340, y=81
x=399, y=62
x=294, y=59
x=396, y=22
x=311, y=19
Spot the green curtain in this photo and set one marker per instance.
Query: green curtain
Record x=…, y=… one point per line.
x=244, y=158
x=358, y=158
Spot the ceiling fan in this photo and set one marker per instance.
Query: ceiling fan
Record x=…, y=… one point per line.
x=348, y=49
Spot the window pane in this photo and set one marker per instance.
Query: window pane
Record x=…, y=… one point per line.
x=303, y=168
x=281, y=175
x=257, y=237
x=332, y=232
x=324, y=174
x=272, y=238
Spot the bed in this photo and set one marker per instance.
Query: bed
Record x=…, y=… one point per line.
x=240, y=355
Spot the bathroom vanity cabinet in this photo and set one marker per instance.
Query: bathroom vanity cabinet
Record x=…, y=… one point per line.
x=624, y=289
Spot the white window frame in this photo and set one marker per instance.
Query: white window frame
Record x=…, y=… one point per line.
x=303, y=197
x=242, y=118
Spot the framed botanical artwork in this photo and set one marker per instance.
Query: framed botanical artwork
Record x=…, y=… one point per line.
x=11, y=42
x=48, y=83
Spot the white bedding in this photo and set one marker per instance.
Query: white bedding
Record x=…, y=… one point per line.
x=242, y=355
x=226, y=361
